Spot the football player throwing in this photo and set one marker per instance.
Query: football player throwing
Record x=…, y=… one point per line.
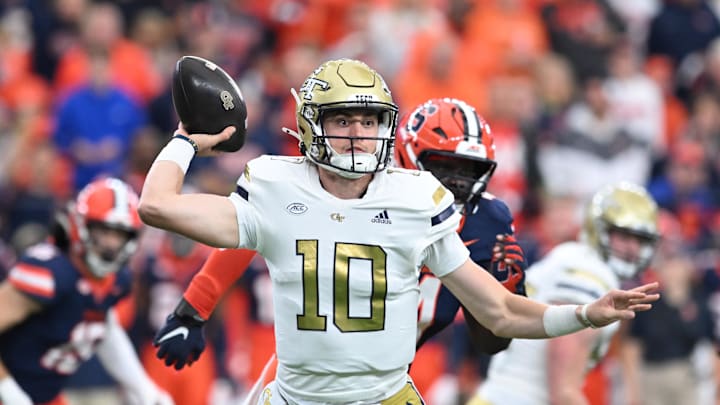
x=345, y=237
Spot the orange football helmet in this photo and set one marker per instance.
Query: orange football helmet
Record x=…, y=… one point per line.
x=448, y=138
x=107, y=203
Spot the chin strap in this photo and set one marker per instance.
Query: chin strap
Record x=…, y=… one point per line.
x=292, y=133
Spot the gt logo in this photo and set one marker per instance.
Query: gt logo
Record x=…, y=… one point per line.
x=227, y=100
x=310, y=85
x=337, y=217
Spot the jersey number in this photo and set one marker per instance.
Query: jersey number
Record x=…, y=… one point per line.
x=311, y=319
x=66, y=358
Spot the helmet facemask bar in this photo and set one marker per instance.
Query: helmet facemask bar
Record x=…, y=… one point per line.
x=101, y=262
x=347, y=85
x=104, y=226
x=353, y=164
x=626, y=268
x=628, y=210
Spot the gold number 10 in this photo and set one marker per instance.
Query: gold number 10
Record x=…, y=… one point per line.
x=311, y=319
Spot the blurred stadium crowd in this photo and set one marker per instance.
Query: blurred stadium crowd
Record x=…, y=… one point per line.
x=579, y=94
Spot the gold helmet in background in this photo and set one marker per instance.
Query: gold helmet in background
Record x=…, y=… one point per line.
x=339, y=85
x=627, y=208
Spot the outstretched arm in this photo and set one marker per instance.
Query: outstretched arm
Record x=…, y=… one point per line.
x=206, y=218
x=483, y=339
x=512, y=315
x=508, y=266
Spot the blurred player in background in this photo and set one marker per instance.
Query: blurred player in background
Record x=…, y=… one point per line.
x=345, y=238
x=448, y=138
x=165, y=274
x=616, y=243
x=56, y=306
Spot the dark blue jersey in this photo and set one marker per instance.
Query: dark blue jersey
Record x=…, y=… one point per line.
x=438, y=306
x=47, y=347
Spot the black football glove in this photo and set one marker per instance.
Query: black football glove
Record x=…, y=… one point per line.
x=508, y=264
x=181, y=340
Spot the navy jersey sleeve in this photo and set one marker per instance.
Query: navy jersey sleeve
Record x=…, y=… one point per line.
x=491, y=218
x=438, y=306
x=43, y=274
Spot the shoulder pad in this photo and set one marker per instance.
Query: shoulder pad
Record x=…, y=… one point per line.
x=42, y=252
x=43, y=272
x=269, y=167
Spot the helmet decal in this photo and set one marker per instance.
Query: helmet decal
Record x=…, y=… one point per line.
x=309, y=86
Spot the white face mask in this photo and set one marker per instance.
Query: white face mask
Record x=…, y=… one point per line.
x=626, y=269
x=623, y=268
x=100, y=267
x=353, y=165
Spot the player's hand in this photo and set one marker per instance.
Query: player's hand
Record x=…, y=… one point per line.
x=11, y=393
x=205, y=142
x=181, y=340
x=508, y=264
x=619, y=305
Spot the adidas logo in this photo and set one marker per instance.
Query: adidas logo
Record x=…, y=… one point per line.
x=381, y=218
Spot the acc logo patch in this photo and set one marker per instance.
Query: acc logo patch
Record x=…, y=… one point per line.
x=296, y=208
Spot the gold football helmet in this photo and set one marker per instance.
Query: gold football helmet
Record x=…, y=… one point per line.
x=627, y=208
x=338, y=85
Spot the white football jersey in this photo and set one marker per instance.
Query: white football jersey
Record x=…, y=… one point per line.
x=572, y=273
x=344, y=272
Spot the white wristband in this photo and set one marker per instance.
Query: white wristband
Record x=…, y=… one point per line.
x=179, y=151
x=584, y=317
x=11, y=393
x=561, y=320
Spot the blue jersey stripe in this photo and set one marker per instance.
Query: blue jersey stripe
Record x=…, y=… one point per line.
x=441, y=217
x=242, y=192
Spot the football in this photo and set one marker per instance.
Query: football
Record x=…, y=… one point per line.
x=207, y=99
